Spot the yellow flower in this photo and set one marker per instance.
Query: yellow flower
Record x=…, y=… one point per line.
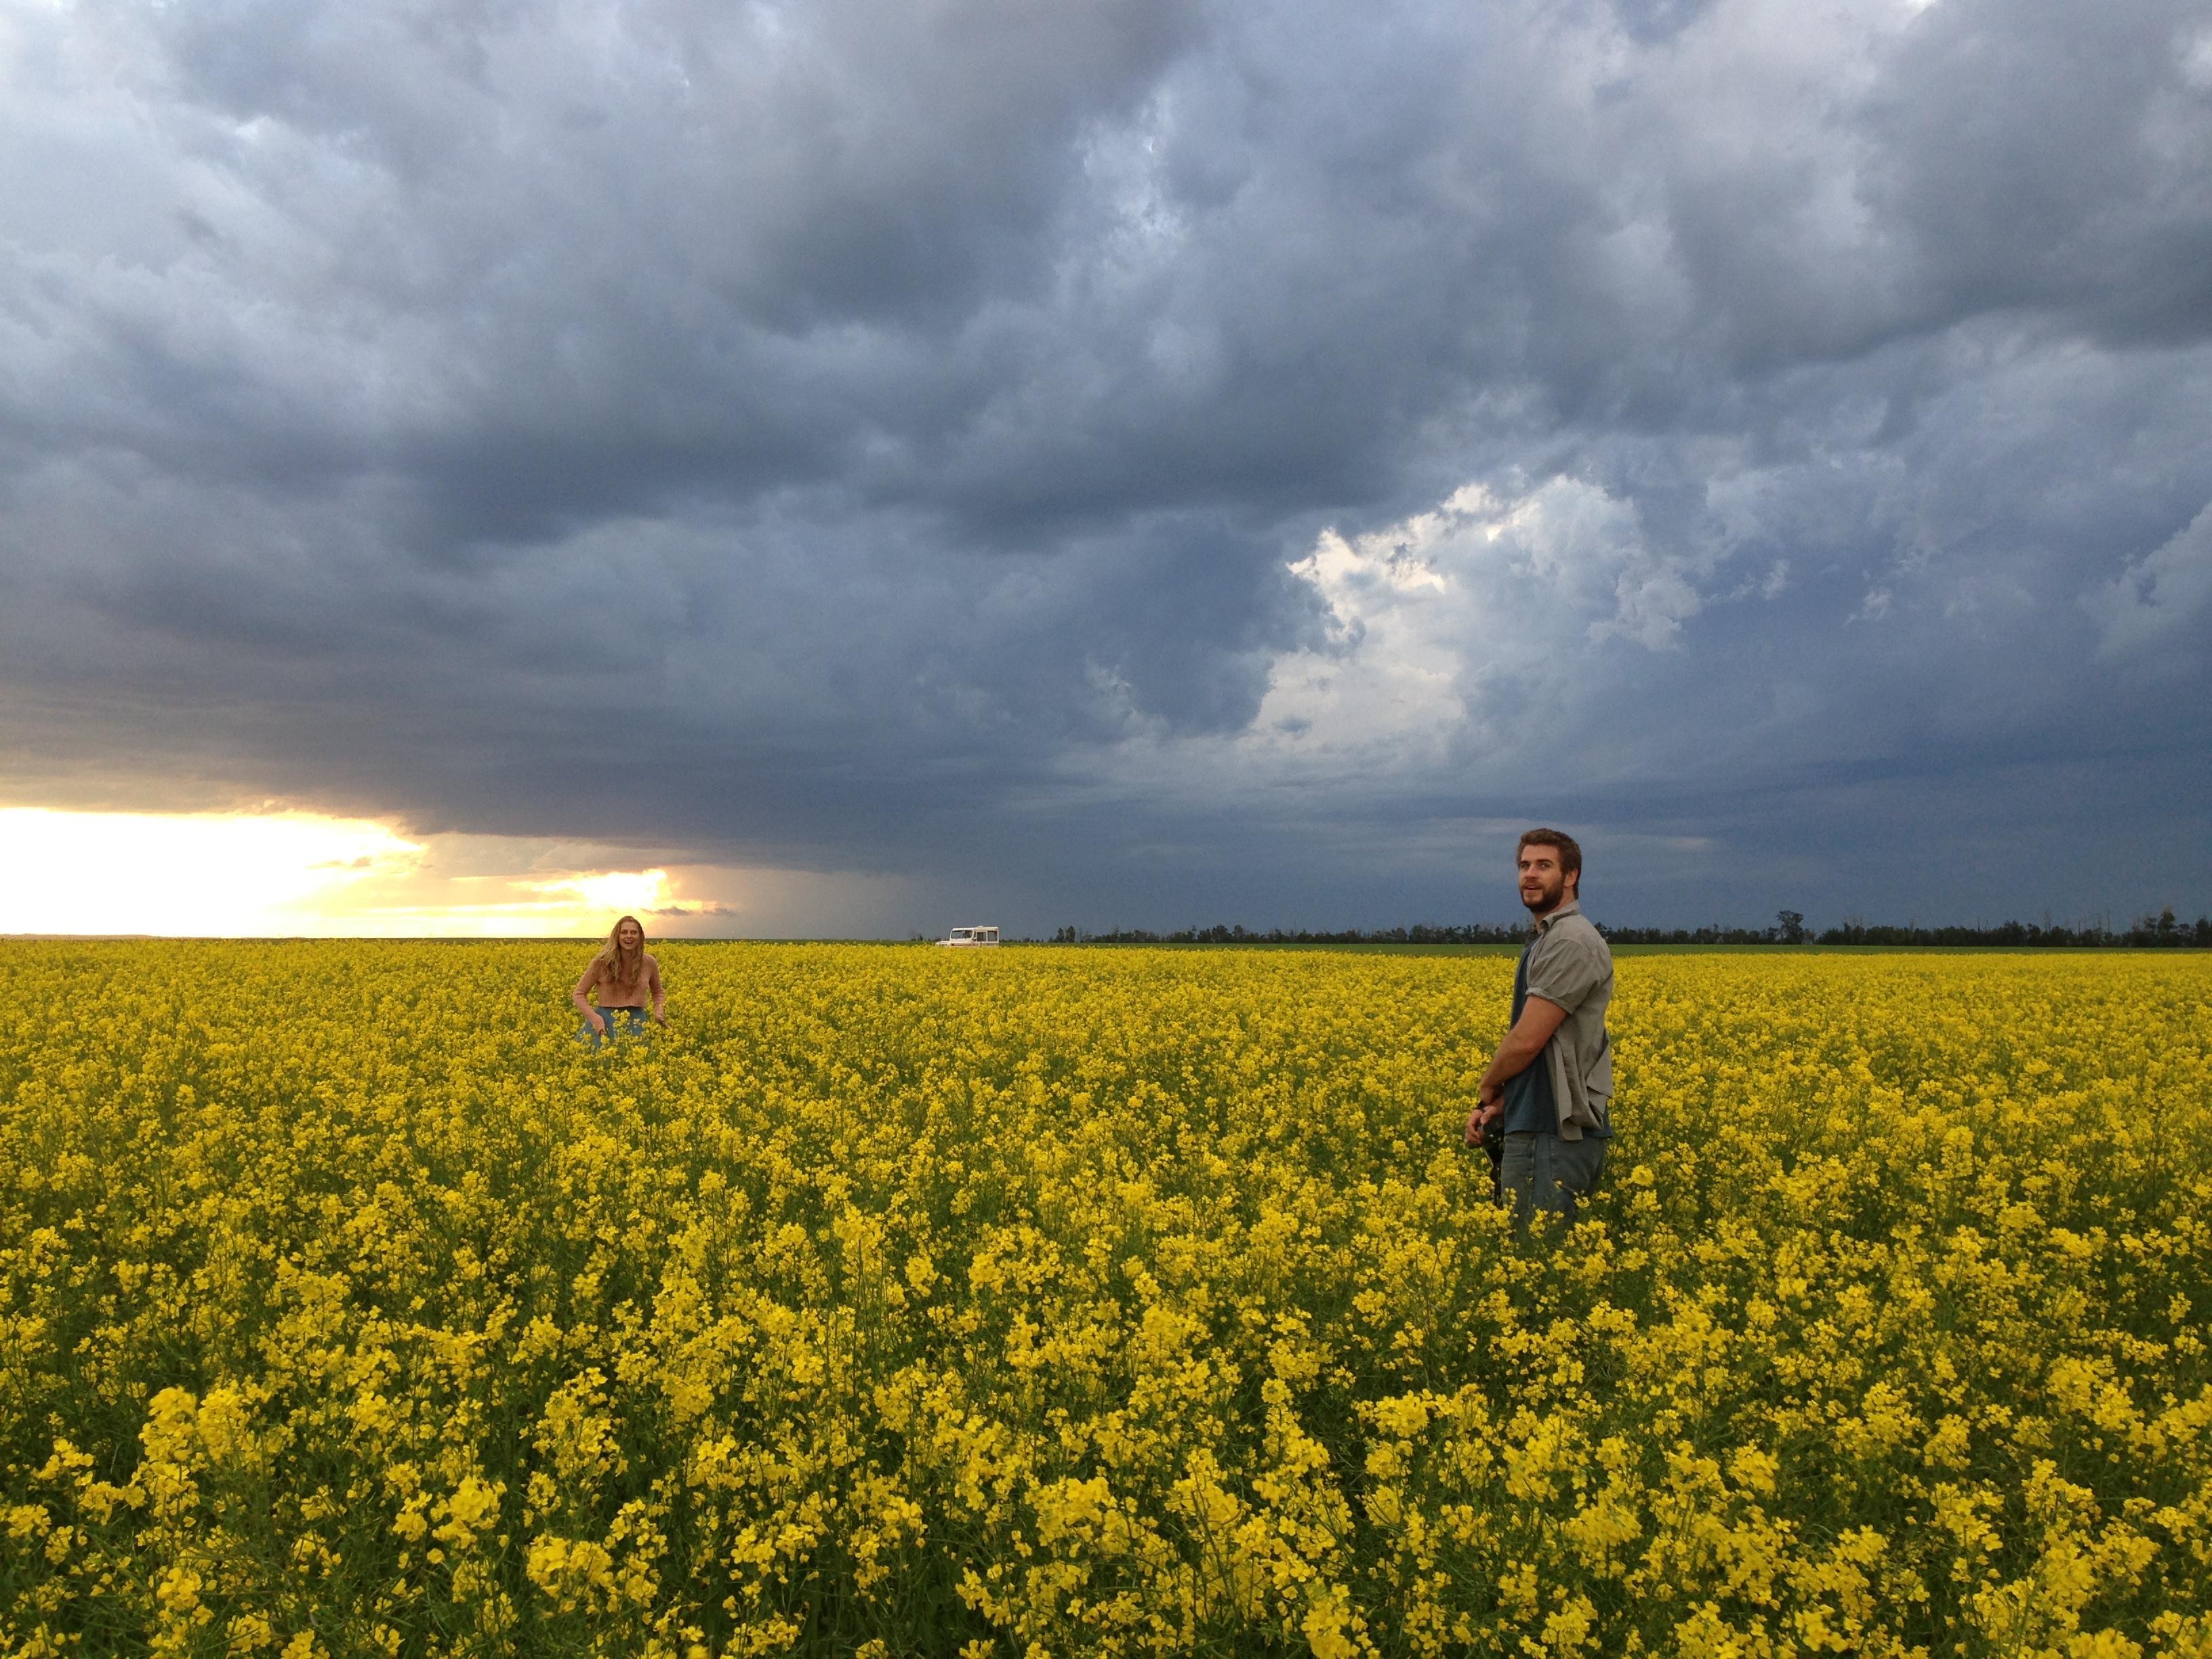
x=1099, y=1302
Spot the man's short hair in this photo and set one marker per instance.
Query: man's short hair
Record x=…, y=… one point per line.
x=1570, y=854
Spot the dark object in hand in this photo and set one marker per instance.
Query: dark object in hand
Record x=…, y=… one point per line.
x=1493, y=1147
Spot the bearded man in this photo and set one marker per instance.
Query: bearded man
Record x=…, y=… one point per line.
x=1550, y=1083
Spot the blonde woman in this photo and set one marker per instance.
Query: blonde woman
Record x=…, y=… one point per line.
x=625, y=975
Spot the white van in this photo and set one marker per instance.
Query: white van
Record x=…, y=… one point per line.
x=972, y=936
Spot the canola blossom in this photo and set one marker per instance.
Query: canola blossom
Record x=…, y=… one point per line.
x=1035, y=1303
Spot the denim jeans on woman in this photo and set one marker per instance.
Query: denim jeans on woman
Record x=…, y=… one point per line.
x=620, y=1022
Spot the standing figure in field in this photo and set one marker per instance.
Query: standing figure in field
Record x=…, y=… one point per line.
x=1550, y=1083
x=625, y=975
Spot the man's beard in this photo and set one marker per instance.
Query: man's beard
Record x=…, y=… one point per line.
x=1548, y=899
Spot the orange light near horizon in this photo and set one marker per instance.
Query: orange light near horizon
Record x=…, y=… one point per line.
x=201, y=874
x=641, y=890
x=265, y=875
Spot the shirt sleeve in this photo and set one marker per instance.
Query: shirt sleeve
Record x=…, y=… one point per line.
x=1566, y=967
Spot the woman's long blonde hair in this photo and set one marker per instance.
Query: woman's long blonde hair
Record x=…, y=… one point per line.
x=609, y=961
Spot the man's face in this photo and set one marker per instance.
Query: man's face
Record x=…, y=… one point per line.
x=1543, y=883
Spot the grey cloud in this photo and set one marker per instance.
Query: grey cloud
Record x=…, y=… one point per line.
x=842, y=434
x=2157, y=595
x=2056, y=157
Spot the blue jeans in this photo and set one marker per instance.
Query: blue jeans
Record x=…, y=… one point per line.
x=1541, y=1172
x=620, y=1022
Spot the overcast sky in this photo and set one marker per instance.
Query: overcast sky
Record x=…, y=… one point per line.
x=1132, y=463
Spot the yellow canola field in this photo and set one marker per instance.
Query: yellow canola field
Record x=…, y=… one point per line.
x=1052, y=1302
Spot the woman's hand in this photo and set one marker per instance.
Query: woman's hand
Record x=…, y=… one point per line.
x=599, y=1023
x=660, y=1018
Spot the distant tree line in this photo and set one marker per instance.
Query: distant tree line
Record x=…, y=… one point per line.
x=2160, y=932
x=1221, y=933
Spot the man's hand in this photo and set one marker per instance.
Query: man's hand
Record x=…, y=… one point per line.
x=1490, y=1102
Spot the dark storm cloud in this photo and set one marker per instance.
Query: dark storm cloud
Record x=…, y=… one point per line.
x=876, y=437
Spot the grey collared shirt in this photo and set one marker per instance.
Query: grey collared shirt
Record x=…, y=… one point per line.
x=1570, y=964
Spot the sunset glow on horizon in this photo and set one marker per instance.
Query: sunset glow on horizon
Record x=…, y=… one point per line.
x=283, y=874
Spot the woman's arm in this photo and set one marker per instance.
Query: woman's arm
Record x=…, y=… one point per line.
x=591, y=978
x=659, y=997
